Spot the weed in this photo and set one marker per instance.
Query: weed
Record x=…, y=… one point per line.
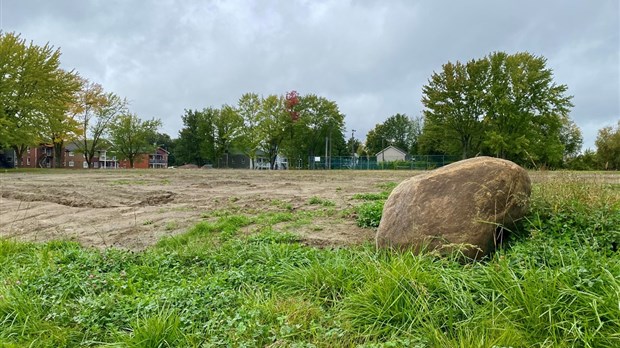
x=320, y=201
x=171, y=225
x=369, y=214
x=371, y=196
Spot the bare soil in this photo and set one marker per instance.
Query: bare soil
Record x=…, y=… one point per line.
x=133, y=209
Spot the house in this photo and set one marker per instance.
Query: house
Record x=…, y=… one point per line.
x=154, y=160
x=73, y=159
x=390, y=154
x=159, y=158
x=42, y=156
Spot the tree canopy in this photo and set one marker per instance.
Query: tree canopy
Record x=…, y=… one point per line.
x=503, y=105
x=398, y=130
x=292, y=125
x=130, y=136
x=35, y=93
x=608, y=147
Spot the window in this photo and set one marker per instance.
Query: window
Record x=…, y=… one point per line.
x=28, y=161
x=71, y=163
x=28, y=149
x=85, y=165
x=70, y=153
x=95, y=164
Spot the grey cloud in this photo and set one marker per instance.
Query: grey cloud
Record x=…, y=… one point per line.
x=371, y=57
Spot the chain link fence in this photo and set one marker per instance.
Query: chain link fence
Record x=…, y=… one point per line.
x=422, y=162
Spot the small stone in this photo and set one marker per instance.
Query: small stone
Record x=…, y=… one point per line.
x=463, y=205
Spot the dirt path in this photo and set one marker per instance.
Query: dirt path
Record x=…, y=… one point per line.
x=133, y=209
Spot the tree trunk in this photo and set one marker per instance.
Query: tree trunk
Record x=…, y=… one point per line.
x=58, y=154
x=19, y=153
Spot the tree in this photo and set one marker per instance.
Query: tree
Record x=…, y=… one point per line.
x=273, y=123
x=504, y=105
x=228, y=126
x=95, y=110
x=60, y=125
x=398, y=130
x=608, y=147
x=524, y=110
x=191, y=144
x=130, y=136
x=34, y=91
x=454, y=107
x=248, y=108
x=319, y=119
x=571, y=138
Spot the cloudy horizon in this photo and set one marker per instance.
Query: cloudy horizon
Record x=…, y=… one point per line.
x=370, y=57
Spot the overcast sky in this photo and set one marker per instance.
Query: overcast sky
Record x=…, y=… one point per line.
x=370, y=57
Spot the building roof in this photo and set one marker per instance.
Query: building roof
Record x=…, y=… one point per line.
x=393, y=147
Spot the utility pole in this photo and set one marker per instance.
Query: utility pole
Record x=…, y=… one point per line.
x=353, y=147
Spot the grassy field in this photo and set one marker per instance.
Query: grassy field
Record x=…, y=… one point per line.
x=555, y=284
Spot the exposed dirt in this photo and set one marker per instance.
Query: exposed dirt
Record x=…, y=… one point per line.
x=133, y=209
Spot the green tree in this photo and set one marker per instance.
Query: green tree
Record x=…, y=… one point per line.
x=454, y=107
x=228, y=127
x=96, y=110
x=504, y=105
x=318, y=119
x=130, y=136
x=34, y=91
x=194, y=139
x=248, y=108
x=398, y=130
x=60, y=125
x=608, y=147
x=273, y=124
x=524, y=110
x=571, y=138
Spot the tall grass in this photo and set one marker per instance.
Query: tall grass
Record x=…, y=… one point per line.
x=556, y=284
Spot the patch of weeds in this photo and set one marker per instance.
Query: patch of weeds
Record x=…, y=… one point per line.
x=387, y=186
x=371, y=196
x=369, y=214
x=147, y=222
x=171, y=225
x=281, y=204
x=314, y=200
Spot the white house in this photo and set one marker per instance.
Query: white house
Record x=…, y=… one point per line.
x=390, y=154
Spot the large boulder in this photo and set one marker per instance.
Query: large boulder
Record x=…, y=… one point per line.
x=463, y=205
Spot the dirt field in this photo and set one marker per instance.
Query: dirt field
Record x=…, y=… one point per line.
x=133, y=209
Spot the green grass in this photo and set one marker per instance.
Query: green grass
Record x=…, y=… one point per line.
x=320, y=201
x=556, y=284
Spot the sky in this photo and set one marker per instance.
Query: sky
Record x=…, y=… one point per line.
x=370, y=57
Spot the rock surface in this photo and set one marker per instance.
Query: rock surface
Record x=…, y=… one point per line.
x=461, y=205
